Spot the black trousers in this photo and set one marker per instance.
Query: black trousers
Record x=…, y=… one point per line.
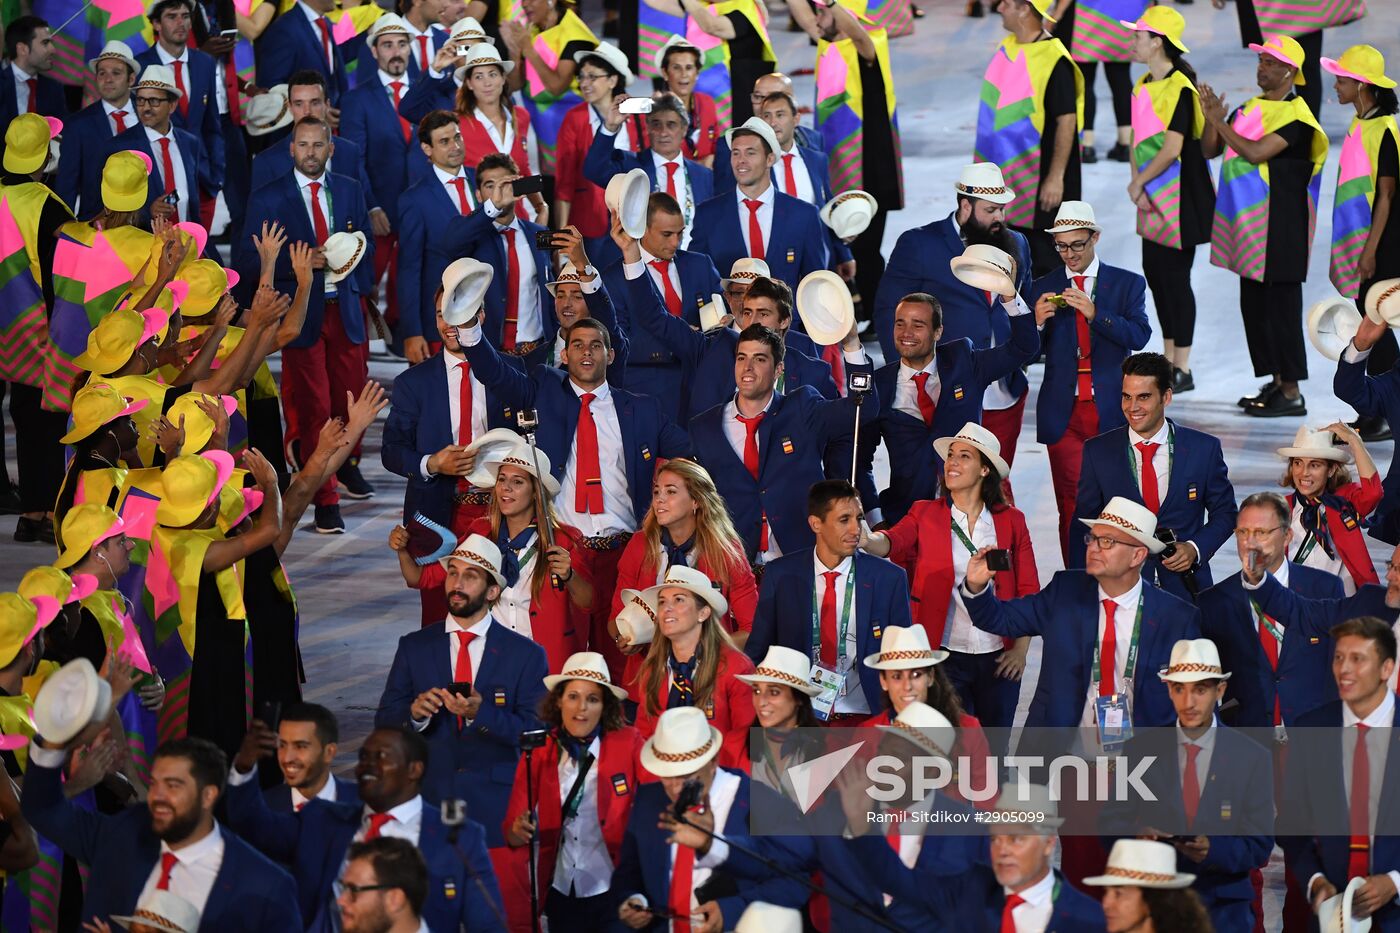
x=570, y=914
x=5, y=482
x=870, y=263
x=983, y=694
x=38, y=451
x=1168, y=274
x=1120, y=85
x=1273, y=328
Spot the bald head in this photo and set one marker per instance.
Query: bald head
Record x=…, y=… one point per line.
x=773, y=83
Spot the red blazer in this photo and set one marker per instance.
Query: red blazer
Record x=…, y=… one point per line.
x=616, y=768
x=636, y=570
x=1347, y=535
x=972, y=742
x=551, y=623
x=732, y=713
x=922, y=543
x=478, y=144
x=588, y=212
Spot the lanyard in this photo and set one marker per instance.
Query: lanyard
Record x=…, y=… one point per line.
x=1171, y=455
x=1309, y=539
x=845, y=618
x=961, y=536
x=1267, y=622
x=1131, y=665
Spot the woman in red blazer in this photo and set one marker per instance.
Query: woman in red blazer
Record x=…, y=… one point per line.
x=533, y=604
x=489, y=120
x=583, y=712
x=680, y=65
x=1329, y=509
x=692, y=662
x=602, y=77
x=933, y=543
x=687, y=520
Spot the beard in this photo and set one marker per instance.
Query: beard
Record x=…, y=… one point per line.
x=461, y=605
x=996, y=235
x=180, y=827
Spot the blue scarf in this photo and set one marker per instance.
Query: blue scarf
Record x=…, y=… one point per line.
x=574, y=746
x=677, y=555
x=510, y=548
x=682, y=691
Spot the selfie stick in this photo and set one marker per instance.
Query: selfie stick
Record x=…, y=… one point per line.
x=528, y=421
x=859, y=394
x=453, y=814
x=534, y=836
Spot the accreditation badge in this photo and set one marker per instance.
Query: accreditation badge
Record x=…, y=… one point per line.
x=1114, y=718
x=832, y=684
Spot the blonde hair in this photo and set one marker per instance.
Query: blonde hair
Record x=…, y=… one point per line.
x=713, y=639
x=497, y=520
x=715, y=538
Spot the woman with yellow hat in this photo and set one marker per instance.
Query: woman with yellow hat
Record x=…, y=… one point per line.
x=1171, y=184
x=22, y=624
x=104, y=437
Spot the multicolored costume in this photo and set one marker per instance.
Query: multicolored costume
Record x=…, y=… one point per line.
x=1356, y=190
x=1154, y=103
x=547, y=110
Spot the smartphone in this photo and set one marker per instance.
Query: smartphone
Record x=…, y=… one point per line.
x=172, y=198
x=544, y=239
x=228, y=33
x=999, y=559
x=528, y=184
x=270, y=712
x=464, y=687
x=1058, y=300
x=635, y=105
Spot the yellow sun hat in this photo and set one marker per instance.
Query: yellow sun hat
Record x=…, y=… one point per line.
x=117, y=336
x=84, y=528
x=1283, y=49
x=125, y=180
x=20, y=620
x=27, y=142
x=1362, y=63
x=199, y=427
x=95, y=406
x=208, y=282
x=1164, y=21
x=56, y=584
x=189, y=484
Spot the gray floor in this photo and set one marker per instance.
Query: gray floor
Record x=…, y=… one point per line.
x=353, y=602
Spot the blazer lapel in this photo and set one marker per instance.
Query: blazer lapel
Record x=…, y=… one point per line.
x=867, y=641
x=765, y=434
x=631, y=451
x=443, y=661
x=1178, y=478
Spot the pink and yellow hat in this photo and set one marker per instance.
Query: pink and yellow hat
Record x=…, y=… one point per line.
x=1284, y=49
x=84, y=528
x=189, y=484
x=117, y=336
x=1362, y=63
x=20, y=620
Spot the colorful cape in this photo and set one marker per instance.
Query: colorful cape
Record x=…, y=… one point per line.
x=87, y=27
x=1099, y=35
x=1356, y=189
x=1154, y=103
x=654, y=27
x=1299, y=17
x=24, y=319
x=840, y=116
x=547, y=110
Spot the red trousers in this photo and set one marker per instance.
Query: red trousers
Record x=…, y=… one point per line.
x=386, y=257
x=1066, y=455
x=315, y=380
x=592, y=624
x=1006, y=425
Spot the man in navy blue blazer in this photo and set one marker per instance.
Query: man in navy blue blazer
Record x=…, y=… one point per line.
x=1315, y=617
x=195, y=75
x=327, y=360
x=1373, y=396
x=85, y=134
x=1210, y=789
x=301, y=38
x=29, y=52
x=425, y=33
x=1093, y=316
x=685, y=279
x=859, y=597
x=1177, y=472
x=393, y=761
x=305, y=746
x=473, y=731
x=756, y=219
x=172, y=842
x=775, y=82
x=1336, y=826
x=1083, y=616
x=181, y=166
x=933, y=389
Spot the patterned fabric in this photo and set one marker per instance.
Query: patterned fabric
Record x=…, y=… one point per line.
x=654, y=27
x=547, y=110
x=23, y=323
x=1154, y=102
x=841, y=111
x=1299, y=17
x=1099, y=35
x=1356, y=189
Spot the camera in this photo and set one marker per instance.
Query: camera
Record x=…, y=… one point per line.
x=528, y=419
x=692, y=792
x=635, y=105
x=999, y=559
x=1167, y=537
x=544, y=239
x=859, y=382
x=532, y=739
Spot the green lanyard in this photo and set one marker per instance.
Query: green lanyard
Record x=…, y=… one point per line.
x=1310, y=539
x=1171, y=455
x=1130, y=667
x=961, y=536
x=845, y=618
x=1267, y=622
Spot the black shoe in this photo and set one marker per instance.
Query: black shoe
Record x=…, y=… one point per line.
x=30, y=530
x=1088, y=155
x=9, y=502
x=355, y=486
x=1182, y=381
x=1260, y=397
x=1372, y=428
x=328, y=520
x=1278, y=405
x=1119, y=153
x=917, y=11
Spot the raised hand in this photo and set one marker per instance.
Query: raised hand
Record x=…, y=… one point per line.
x=303, y=257
x=363, y=411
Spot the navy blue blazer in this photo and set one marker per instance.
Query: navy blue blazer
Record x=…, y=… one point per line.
x=290, y=44
x=972, y=902
x=81, y=158
x=250, y=893
x=52, y=101
x=275, y=162
x=603, y=161
x=419, y=424
x=1198, y=503
x=964, y=372
x=476, y=762
x=192, y=156
x=653, y=368
x=1236, y=809
x=1119, y=328
x=1303, y=680
x=1315, y=794
x=203, y=119
x=432, y=233
x=279, y=796
x=881, y=600
x=483, y=242
x=281, y=200
x=1315, y=617
x=1066, y=614
x=798, y=436
x=1376, y=395
x=645, y=864
x=919, y=263
x=795, y=244
x=648, y=433
x=427, y=95
x=314, y=843
x=366, y=67
x=368, y=119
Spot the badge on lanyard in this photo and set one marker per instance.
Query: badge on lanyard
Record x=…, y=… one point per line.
x=832, y=685
x=1114, y=718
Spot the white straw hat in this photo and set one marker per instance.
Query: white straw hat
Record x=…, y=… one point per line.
x=983, y=181
x=1033, y=800
x=636, y=623
x=755, y=125
x=72, y=697
x=825, y=306
x=466, y=28
x=479, y=551
x=493, y=445
x=675, y=42
x=269, y=112
x=1335, y=914
x=1074, y=215
x=164, y=911
x=522, y=457
x=1193, y=660
x=483, y=53
x=611, y=54
x=568, y=275
x=926, y=728
x=1383, y=302
x=464, y=285
x=985, y=268
x=761, y=917
x=386, y=24
x=746, y=269
x=849, y=213
x=712, y=313
x=1137, y=520
x=974, y=435
x=160, y=78
x=904, y=649
x=343, y=253
x=118, y=51
x=684, y=742
x=688, y=578
x=1314, y=445
x=585, y=665
x=1332, y=322
x=1141, y=863
x=784, y=666
x=627, y=195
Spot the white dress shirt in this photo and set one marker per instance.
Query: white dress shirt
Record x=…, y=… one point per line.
x=1377, y=744
x=1091, y=276
x=765, y=216
x=1161, y=457
x=184, y=59
x=998, y=397
x=906, y=390
x=1206, y=744
x=583, y=867
x=737, y=434
x=1123, y=618
x=960, y=634
x=806, y=191
x=502, y=143
x=326, y=793
x=1032, y=915
x=388, y=79
x=529, y=326
x=449, y=185
x=513, y=608
x=612, y=466
x=21, y=88
x=1317, y=556
x=195, y=870
x=128, y=113
x=853, y=700
x=188, y=208
x=684, y=197
x=424, y=63
x=407, y=822
x=480, y=426
x=322, y=198
x=633, y=270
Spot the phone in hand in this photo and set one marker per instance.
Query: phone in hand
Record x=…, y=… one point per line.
x=544, y=239
x=270, y=712
x=528, y=184
x=463, y=687
x=1057, y=300
x=228, y=33
x=635, y=105
x=999, y=559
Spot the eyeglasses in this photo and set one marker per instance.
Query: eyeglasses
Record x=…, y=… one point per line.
x=1255, y=534
x=590, y=78
x=151, y=101
x=1105, y=543
x=355, y=890
x=1073, y=247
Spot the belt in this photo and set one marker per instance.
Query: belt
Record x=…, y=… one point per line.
x=471, y=498
x=332, y=301
x=523, y=349
x=607, y=542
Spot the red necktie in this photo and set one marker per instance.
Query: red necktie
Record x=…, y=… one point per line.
x=318, y=217
x=837, y=361
x=892, y=836
x=397, y=88
x=789, y=179
x=682, y=878
x=461, y=185
x=1190, y=784
x=751, y=464
x=184, y=103
x=1359, y=856
x=671, y=178
x=120, y=117
x=167, y=865
x=377, y=822
x=462, y=673
x=33, y=94
x=673, y=300
x=464, y=416
x=326, y=42
x=167, y=167
x=423, y=60
x=828, y=622
x=1150, y=496
x=926, y=407
x=1008, y=922
x=299, y=807
x=755, y=231
x=1085, y=386
x=512, y=292
x=588, y=476
x=1108, y=653
x=1270, y=644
